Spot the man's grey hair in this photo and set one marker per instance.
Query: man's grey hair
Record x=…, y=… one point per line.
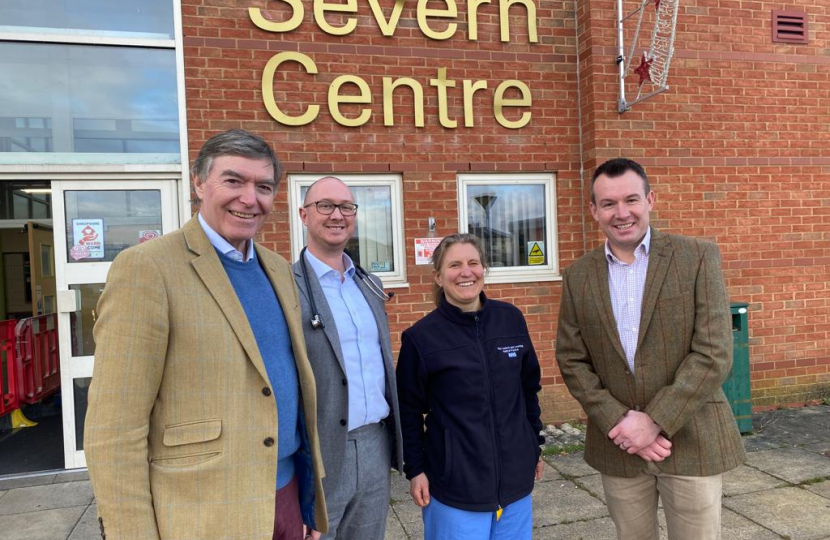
x=234, y=142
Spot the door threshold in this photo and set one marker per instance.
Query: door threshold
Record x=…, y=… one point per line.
x=39, y=478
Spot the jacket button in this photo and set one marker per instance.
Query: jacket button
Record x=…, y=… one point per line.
x=344, y=382
x=342, y=422
x=269, y=442
x=266, y=391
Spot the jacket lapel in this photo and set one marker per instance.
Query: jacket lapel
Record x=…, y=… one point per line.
x=660, y=255
x=602, y=297
x=213, y=275
x=323, y=310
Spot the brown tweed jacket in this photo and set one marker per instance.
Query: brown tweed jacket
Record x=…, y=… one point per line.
x=181, y=431
x=684, y=353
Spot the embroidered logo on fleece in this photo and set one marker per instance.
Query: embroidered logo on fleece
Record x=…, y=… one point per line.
x=512, y=351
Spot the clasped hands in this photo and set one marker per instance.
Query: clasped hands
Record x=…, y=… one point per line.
x=637, y=433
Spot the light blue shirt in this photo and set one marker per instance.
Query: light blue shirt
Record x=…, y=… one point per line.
x=627, y=283
x=224, y=247
x=359, y=342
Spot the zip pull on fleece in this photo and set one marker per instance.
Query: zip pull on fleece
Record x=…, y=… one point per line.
x=498, y=513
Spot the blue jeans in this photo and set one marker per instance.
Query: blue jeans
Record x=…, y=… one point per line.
x=442, y=522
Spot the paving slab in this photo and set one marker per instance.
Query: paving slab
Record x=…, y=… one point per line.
x=819, y=415
x=55, y=524
x=71, y=476
x=736, y=527
x=394, y=529
x=26, y=481
x=794, y=465
x=88, y=527
x=791, y=512
x=822, y=488
x=563, y=501
x=571, y=465
x=745, y=479
x=819, y=448
x=757, y=443
x=592, y=484
x=36, y=498
x=593, y=529
x=409, y=517
x=400, y=488
x=791, y=428
x=550, y=474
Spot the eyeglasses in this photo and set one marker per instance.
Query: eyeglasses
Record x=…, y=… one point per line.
x=327, y=208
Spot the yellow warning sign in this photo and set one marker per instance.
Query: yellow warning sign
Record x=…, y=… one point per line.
x=535, y=253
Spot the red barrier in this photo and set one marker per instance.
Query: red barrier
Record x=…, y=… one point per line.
x=9, y=389
x=39, y=361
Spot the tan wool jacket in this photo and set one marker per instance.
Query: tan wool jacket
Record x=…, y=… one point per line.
x=684, y=353
x=181, y=430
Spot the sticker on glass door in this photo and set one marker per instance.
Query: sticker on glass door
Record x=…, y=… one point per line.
x=87, y=239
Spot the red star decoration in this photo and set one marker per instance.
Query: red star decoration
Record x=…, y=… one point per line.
x=656, y=5
x=644, y=70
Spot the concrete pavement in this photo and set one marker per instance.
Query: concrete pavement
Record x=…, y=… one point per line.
x=781, y=493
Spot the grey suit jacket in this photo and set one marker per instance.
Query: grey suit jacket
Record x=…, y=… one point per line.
x=684, y=353
x=326, y=357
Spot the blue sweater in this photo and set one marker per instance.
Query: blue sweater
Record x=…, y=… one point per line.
x=258, y=299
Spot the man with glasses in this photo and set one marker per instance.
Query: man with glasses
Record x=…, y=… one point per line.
x=347, y=337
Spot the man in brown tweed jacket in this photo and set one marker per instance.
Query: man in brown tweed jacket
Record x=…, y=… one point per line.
x=644, y=344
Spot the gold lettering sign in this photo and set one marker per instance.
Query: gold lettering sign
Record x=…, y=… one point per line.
x=291, y=24
x=387, y=28
x=450, y=13
x=499, y=102
x=268, y=89
x=335, y=99
x=426, y=18
x=320, y=9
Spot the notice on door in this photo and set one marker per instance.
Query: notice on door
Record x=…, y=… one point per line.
x=535, y=253
x=87, y=239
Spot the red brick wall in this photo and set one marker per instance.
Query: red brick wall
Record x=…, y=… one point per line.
x=737, y=150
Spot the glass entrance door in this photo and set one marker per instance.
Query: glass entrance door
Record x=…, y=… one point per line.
x=94, y=221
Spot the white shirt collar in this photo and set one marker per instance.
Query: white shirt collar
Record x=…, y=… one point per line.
x=224, y=246
x=645, y=245
x=321, y=269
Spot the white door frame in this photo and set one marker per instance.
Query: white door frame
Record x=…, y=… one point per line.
x=78, y=273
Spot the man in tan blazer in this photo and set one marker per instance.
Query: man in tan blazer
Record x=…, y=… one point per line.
x=644, y=344
x=194, y=401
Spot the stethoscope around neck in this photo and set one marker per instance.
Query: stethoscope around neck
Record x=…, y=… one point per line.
x=316, y=321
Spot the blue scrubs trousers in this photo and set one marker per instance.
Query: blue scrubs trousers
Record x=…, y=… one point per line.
x=442, y=522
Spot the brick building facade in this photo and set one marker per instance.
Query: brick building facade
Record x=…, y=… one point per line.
x=738, y=150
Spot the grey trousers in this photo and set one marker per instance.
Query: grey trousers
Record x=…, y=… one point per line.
x=357, y=507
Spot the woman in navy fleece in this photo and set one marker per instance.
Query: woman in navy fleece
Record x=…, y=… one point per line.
x=470, y=367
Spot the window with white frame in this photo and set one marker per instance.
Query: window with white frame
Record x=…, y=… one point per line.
x=514, y=215
x=89, y=82
x=377, y=244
